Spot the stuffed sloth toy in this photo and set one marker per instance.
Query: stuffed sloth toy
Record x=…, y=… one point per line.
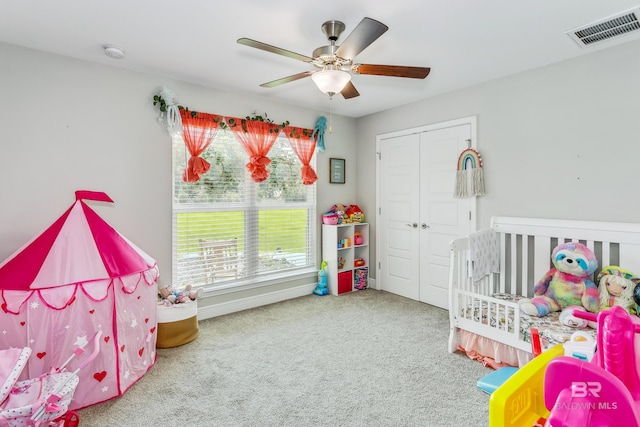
x=617, y=287
x=566, y=284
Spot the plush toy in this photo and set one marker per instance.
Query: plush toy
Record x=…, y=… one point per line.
x=169, y=296
x=340, y=209
x=567, y=283
x=617, y=287
x=568, y=319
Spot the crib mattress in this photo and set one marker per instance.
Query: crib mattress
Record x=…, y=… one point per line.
x=551, y=331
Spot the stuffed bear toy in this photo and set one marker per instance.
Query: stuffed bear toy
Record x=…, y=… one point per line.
x=566, y=284
x=617, y=287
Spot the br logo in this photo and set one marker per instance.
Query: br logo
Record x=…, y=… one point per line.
x=585, y=389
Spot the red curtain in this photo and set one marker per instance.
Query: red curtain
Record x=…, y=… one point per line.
x=256, y=138
x=303, y=145
x=198, y=130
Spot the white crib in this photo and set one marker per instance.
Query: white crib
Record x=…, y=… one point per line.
x=525, y=255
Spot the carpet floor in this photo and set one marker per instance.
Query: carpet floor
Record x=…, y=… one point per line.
x=367, y=358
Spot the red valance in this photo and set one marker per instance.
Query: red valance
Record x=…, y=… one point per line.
x=256, y=138
x=198, y=131
x=304, y=144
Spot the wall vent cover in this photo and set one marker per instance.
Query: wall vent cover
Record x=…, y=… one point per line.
x=621, y=24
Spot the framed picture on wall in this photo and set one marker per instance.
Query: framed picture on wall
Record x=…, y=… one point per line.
x=336, y=171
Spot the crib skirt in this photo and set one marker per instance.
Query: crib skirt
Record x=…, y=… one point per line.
x=490, y=352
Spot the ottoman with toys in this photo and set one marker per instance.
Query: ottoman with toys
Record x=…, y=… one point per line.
x=177, y=316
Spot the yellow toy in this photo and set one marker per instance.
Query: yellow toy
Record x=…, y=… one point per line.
x=519, y=401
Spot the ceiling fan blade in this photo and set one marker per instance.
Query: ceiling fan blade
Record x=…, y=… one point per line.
x=365, y=33
x=349, y=91
x=287, y=79
x=391, y=70
x=259, y=45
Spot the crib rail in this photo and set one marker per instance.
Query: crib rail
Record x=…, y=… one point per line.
x=526, y=245
x=471, y=306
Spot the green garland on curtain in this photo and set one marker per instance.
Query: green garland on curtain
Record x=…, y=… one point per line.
x=257, y=118
x=162, y=106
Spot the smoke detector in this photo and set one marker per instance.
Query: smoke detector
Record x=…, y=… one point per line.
x=613, y=27
x=113, y=51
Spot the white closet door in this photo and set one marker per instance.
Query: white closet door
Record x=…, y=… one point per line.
x=418, y=214
x=443, y=216
x=399, y=230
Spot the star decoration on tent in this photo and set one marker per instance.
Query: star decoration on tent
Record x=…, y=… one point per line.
x=34, y=305
x=134, y=323
x=81, y=341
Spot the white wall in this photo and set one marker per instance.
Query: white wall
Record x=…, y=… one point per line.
x=69, y=125
x=560, y=141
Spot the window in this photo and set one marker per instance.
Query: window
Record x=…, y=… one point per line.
x=229, y=231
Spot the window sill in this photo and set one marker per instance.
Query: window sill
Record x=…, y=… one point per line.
x=239, y=286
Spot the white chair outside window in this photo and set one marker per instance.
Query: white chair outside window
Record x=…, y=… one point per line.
x=220, y=258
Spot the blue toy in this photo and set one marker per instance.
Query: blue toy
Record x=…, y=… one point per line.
x=322, y=289
x=321, y=126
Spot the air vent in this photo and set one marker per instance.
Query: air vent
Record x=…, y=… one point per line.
x=621, y=24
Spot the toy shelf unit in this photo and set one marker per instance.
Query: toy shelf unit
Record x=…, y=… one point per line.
x=345, y=248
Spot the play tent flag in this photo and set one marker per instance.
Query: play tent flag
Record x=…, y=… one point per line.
x=77, y=277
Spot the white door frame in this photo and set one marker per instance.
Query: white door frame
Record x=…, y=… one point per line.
x=471, y=121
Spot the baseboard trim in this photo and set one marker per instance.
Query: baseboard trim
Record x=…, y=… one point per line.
x=371, y=284
x=214, y=310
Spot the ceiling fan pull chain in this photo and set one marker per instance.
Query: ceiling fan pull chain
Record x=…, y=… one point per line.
x=330, y=128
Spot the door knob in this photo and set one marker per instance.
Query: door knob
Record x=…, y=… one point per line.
x=425, y=225
x=414, y=225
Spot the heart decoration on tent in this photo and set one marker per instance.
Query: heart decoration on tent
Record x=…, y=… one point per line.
x=469, y=176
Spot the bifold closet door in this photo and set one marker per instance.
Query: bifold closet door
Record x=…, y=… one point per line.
x=400, y=210
x=442, y=217
x=418, y=213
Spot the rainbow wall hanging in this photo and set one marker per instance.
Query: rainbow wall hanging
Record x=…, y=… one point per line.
x=469, y=177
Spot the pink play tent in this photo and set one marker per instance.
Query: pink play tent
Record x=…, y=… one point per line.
x=77, y=277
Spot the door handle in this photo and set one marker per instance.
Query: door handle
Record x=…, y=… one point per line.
x=425, y=225
x=414, y=225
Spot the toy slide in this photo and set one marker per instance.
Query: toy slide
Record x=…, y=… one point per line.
x=605, y=392
x=583, y=394
x=519, y=401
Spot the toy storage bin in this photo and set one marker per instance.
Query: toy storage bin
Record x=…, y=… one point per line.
x=345, y=282
x=331, y=219
x=177, y=324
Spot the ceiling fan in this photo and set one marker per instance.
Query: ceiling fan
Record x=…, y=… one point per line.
x=335, y=63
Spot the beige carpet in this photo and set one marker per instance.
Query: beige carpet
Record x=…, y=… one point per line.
x=368, y=358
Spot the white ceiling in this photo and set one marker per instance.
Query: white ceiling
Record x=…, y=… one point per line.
x=465, y=42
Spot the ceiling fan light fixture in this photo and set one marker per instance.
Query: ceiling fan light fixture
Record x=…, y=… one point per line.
x=331, y=81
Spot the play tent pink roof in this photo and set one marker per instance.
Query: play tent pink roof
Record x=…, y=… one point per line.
x=78, y=277
x=78, y=248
